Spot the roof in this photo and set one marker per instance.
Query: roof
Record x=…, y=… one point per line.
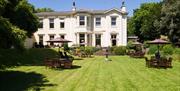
x=132, y=37
x=56, y=13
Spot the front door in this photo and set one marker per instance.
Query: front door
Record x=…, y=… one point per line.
x=113, y=40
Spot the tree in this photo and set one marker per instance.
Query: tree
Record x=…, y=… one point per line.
x=169, y=23
x=11, y=35
x=17, y=20
x=20, y=13
x=43, y=10
x=142, y=24
x=2, y=6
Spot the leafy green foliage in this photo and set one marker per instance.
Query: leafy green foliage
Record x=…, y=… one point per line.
x=5, y=33
x=11, y=35
x=168, y=50
x=142, y=24
x=152, y=49
x=89, y=50
x=66, y=47
x=17, y=21
x=19, y=37
x=24, y=18
x=176, y=54
x=13, y=57
x=3, y=3
x=130, y=45
x=169, y=23
x=20, y=13
x=120, y=50
x=38, y=10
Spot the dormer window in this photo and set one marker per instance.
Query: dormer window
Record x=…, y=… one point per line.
x=51, y=23
x=113, y=21
x=81, y=20
x=98, y=21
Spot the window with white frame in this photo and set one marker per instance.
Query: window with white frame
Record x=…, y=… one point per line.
x=82, y=39
x=41, y=39
x=62, y=25
x=113, y=21
x=62, y=36
x=98, y=21
x=51, y=23
x=51, y=37
x=40, y=23
x=98, y=39
x=81, y=20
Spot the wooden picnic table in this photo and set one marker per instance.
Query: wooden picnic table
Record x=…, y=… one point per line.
x=58, y=62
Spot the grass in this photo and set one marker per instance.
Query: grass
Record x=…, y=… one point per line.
x=93, y=74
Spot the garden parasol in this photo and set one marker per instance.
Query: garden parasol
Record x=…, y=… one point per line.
x=158, y=41
x=59, y=40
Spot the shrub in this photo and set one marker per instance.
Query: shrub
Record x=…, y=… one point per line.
x=112, y=49
x=146, y=45
x=120, y=50
x=168, y=50
x=177, y=51
x=88, y=50
x=66, y=48
x=177, y=54
x=130, y=45
x=152, y=49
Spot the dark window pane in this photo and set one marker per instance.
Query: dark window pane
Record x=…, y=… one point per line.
x=51, y=25
x=82, y=18
x=113, y=21
x=82, y=23
x=98, y=21
x=62, y=25
x=51, y=37
x=98, y=40
x=62, y=36
x=41, y=39
x=41, y=25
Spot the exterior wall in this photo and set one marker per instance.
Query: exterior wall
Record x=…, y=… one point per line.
x=72, y=28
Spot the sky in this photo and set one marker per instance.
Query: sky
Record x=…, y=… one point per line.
x=66, y=5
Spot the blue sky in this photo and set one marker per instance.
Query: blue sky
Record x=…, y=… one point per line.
x=66, y=5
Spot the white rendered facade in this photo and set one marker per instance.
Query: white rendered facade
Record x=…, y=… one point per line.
x=85, y=27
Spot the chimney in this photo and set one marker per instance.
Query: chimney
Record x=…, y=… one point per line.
x=74, y=6
x=123, y=7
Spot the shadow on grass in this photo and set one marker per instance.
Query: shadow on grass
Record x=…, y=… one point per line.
x=78, y=58
x=21, y=81
x=75, y=67
x=72, y=68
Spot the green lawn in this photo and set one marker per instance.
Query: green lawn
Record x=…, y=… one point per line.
x=93, y=74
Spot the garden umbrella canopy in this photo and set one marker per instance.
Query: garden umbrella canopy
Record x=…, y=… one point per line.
x=59, y=40
x=158, y=41
x=137, y=43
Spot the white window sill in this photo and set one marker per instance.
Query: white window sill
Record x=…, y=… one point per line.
x=62, y=28
x=113, y=26
x=98, y=26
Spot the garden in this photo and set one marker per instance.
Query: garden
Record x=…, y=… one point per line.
x=90, y=73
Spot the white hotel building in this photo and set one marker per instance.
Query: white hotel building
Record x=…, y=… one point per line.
x=84, y=27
